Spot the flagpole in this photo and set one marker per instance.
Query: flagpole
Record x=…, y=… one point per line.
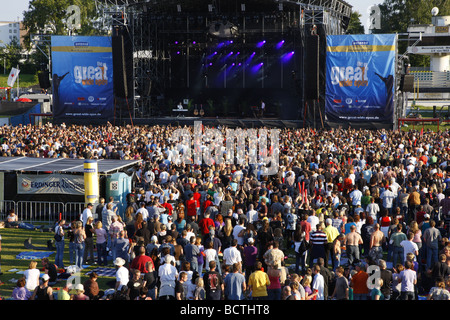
x=17, y=83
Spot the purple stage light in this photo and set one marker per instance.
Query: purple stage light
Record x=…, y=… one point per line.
x=256, y=67
x=260, y=44
x=279, y=44
x=285, y=57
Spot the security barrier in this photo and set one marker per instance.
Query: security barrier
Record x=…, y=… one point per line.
x=44, y=213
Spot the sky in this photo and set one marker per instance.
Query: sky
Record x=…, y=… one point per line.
x=15, y=8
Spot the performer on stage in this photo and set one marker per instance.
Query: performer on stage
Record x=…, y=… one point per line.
x=263, y=107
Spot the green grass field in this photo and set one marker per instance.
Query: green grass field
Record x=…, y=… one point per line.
x=13, y=243
x=25, y=80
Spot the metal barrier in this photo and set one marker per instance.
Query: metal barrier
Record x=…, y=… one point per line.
x=73, y=210
x=5, y=206
x=39, y=212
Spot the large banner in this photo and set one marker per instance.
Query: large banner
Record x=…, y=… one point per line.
x=360, y=78
x=50, y=184
x=82, y=78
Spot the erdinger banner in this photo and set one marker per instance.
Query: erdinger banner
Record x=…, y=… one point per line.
x=50, y=184
x=82, y=77
x=360, y=78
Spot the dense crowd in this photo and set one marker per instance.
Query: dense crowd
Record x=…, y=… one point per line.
x=343, y=202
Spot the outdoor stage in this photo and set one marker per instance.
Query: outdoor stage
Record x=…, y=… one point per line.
x=214, y=122
x=225, y=56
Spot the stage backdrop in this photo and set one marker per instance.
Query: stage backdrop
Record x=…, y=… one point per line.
x=82, y=78
x=360, y=78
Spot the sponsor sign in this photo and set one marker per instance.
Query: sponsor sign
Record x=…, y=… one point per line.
x=50, y=184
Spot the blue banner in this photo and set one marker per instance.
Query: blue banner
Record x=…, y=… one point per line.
x=82, y=78
x=360, y=78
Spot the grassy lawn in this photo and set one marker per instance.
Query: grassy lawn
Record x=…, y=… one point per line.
x=13, y=244
x=25, y=80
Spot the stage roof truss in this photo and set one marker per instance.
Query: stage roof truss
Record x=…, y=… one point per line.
x=60, y=165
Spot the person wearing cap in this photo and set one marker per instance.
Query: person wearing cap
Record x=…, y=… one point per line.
x=79, y=293
x=43, y=291
x=122, y=274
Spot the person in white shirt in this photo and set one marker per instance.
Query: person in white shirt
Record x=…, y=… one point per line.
x=87, y=212
x=252, y=214
x=313, y=220
x=356, y=196
x=238, y=232
x=163, y=177
x=409, y=246
x=318, y=284
x=122, y=274
x=388, y=198
x=231, y=255
x=373, y=209
x=143, y=211
x=167, y=274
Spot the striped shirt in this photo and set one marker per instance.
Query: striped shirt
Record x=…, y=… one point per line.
x=318, y=238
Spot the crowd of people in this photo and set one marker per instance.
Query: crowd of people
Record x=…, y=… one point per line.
x=342, y=202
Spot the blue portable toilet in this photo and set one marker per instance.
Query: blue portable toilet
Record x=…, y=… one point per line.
x=118, y=185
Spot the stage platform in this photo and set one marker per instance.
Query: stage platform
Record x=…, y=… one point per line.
x=209, y=121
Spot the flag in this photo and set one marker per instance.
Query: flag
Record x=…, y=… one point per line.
x=421, y=132
x=13, y=76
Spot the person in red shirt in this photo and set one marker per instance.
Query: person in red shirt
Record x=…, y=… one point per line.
x=197, y=197
x=305, y=226
x=140, y=261
x=191, y=207
x=420, y=215
x=167, y=206
x=204, y=225
x=208, y=202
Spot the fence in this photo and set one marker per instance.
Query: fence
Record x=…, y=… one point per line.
x=431, y=79
x=44, y=213
x=420, y=122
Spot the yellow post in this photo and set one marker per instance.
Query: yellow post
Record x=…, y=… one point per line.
x=91, y=189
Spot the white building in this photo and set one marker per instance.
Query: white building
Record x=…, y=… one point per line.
x=8, y=31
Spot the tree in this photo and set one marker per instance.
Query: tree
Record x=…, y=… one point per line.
x=50, y=16
x=397, y=15
x=355, y=26
x=10, y=54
